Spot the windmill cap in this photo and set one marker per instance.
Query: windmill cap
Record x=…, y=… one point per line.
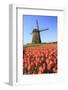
x=35, y=30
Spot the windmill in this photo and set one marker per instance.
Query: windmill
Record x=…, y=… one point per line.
x=36, y=34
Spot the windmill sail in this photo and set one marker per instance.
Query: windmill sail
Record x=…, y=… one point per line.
x=37, y=24
x=44, y=30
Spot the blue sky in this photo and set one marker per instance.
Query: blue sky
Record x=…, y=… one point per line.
x=44, y=22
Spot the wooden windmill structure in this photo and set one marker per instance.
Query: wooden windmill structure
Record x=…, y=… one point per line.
x=36, y=34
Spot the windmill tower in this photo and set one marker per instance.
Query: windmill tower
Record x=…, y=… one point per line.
x=36, y=34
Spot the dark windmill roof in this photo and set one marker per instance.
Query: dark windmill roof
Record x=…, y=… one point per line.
x=35, y=30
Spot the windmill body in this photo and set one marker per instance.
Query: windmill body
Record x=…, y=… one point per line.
x=36, y=36
x=36, y=39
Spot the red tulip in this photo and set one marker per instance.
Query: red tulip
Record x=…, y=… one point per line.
x=32, y=64
x=41, y=69
x=44, y=66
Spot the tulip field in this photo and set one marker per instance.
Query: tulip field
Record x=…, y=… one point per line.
x=40, y=59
